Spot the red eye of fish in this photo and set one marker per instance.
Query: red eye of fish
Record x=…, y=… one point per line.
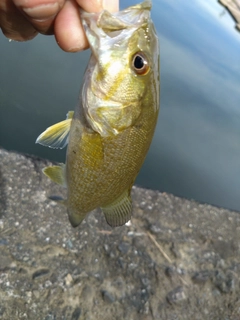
x=140, y=63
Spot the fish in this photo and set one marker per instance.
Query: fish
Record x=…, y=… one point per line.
x=109, y=133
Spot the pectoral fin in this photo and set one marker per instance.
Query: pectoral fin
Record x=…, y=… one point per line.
x=56, y=136
x=58, y=200
x=56, y=174
x=119, y=212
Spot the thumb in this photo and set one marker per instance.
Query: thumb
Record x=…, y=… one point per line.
x=40, y=13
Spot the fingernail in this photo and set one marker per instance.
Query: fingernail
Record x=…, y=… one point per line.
x=42, y=12
x=111, y=5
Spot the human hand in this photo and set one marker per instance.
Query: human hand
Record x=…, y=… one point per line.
x=22, y=20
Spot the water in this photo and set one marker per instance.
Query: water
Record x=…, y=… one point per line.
x=196, y=149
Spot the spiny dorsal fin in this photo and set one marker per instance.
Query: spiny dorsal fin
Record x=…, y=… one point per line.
x=119, y=211
x=56, y=174
x=56, y=136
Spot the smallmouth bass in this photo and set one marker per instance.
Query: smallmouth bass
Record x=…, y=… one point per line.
x=110, y=132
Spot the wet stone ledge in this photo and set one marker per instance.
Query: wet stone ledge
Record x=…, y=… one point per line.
x=178, y=259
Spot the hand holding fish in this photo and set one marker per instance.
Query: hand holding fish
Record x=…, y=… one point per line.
x=22, y=20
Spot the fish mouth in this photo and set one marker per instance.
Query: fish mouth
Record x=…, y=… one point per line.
x=113, y=34
x=106, y=24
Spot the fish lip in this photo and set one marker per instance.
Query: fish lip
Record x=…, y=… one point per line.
x=105, y=30
x=132, y=17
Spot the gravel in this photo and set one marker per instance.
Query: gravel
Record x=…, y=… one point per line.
x=177, y=259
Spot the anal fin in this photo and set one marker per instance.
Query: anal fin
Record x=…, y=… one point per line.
x=56, y=174
x=119, y=212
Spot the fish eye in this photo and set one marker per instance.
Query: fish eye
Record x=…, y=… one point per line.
x=140, y=63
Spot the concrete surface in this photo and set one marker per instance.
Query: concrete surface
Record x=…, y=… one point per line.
x=178, y=259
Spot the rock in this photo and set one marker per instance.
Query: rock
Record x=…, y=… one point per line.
x=123, y=247
x=176, y=296
x=68, y=280
x=39, y=273
x=76, y=314
x=178, y=259
x=201, y=276
x=107, y=296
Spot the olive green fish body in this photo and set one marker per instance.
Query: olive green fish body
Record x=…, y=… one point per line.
x=109, y=165
x=112, y=128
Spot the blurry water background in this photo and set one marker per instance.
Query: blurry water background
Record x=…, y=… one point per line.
x=196, y=149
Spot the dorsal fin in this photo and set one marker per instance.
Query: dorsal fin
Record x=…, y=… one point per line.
x=119, y=212
x=56, y=136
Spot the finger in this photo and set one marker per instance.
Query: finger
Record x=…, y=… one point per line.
x=111, y=5
x=68, y=29
x=14, y=26
x=40, y=13
x=98, y=5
